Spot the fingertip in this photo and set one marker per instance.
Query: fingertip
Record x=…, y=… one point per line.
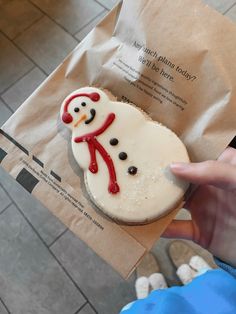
x=179, y=166
x=179, y=229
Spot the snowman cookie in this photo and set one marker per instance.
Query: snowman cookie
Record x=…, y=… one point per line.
x=125, y=157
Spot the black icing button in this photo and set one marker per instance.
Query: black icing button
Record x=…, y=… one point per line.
x=132, y=170
x=123, y=155
x=114, y=141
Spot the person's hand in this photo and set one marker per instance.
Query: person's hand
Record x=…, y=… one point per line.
x=212, y=206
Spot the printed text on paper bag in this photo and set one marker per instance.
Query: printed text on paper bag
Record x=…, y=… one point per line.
x=158, y=82
x=158, y=63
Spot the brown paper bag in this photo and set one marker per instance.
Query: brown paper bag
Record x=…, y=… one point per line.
x=173, y=59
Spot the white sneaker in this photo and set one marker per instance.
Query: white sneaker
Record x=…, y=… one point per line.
x=199, y=264
x=185, y=273
x=157, y=281
x=142, y=287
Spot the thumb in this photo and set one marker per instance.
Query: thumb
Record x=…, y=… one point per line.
x=212, y=172
x=181, y=229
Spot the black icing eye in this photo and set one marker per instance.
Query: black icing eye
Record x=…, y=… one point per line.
x=76, y=109
x=83, y=104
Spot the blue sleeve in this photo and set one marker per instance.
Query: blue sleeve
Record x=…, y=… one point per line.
x=230, y=269
x=213, y=292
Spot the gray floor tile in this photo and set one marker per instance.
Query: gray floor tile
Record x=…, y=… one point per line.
x=220, y=5
x=16, y=16
x=3, y=309
x=47, y=225
x=83, y=32
x=87, y=310
x=23, y=88
x=46, y=43
x=232, y=14
x=13, y=63
x=105, y=289
x=4, y=200
x=72, y=14
x=5, y=113
x=32, y=282
x=109, y=4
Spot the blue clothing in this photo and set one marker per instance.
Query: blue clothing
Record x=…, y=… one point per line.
x=230, y=269
x=214, y=292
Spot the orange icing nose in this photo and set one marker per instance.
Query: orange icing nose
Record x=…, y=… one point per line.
x=80, y=120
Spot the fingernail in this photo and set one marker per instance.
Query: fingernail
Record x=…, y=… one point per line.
x=179, y=166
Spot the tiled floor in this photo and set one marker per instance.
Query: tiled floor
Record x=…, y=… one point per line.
x=44, y=268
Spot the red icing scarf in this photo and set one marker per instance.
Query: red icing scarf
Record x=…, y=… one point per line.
x=94, y=145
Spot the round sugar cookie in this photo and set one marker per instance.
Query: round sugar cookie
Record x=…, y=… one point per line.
x=125, y=157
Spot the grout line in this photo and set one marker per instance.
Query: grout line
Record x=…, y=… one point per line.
x=50, y=251
x=25, y=54
x=18, y=35
x=102, y=5
x=4, y=306
x=12, y=84
x=91, y=305
x=94, y=18
x=5, y=208
x=12, y=201
x=6, y=104
x=61, y=26
x=77, y=312
x=73, y=281
x=229, y=8
x=58, y=237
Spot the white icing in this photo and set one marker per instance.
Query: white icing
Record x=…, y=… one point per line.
x=150, y=147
